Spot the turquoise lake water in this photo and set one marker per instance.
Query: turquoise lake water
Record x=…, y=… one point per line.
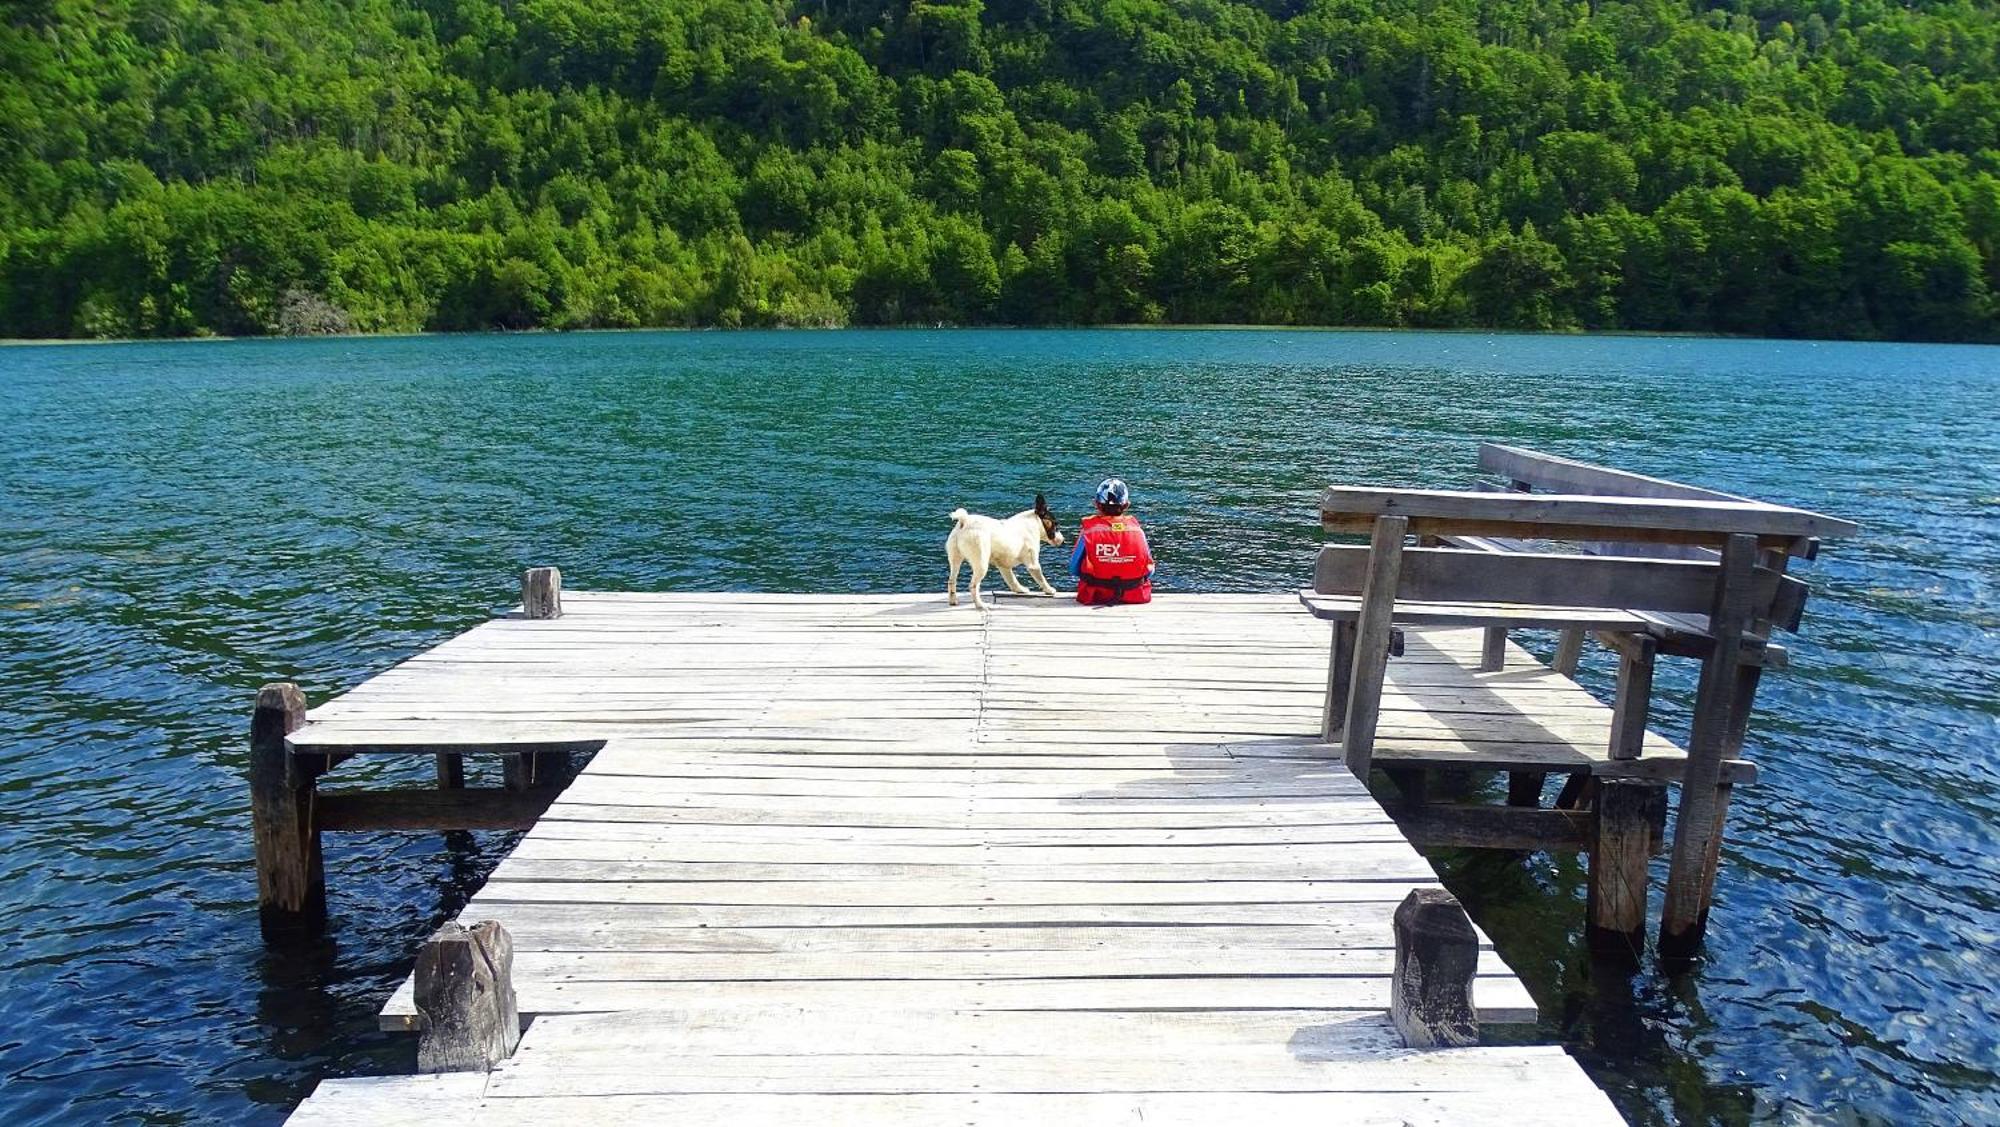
x=180, y=523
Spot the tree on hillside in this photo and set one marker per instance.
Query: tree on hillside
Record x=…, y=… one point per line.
x=177, y=167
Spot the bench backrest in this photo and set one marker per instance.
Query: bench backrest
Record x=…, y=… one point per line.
x=1633, y=520
x=1526, y=470
x=1552, y=474
x=1452, y=575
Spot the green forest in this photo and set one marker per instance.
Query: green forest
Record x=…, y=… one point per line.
x=1820, y=168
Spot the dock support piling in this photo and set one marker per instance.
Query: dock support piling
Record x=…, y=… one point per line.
x=1524, y=788
x=1574, y=791
x=1451, y=784
x=1413, y=784
x=1704, y=796
x=464, y=992
x=541, y=593
x=291, y=881
x=551, y=768
x=529, y=770
x=1437, y=953
x=1631, y=814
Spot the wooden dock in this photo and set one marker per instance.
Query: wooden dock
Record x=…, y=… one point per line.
x=876, y=860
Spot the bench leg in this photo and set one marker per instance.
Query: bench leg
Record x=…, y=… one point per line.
x=1704, y=796
x=1339, y=679
x=1569, y=651
x=1747, y=678
x=1371, y=643
x=1634, y=701
x=1678, y=947
x=1493, y=650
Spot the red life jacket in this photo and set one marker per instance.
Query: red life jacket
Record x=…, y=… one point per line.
x=1117, y=563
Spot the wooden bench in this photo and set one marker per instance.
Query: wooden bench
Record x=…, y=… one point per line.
x=1661, y=568
x=1683, y=634
x=1445, y=587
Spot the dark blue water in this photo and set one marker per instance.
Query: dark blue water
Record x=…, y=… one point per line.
x=182, y=522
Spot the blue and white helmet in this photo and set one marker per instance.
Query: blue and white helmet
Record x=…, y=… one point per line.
x=1112, y=491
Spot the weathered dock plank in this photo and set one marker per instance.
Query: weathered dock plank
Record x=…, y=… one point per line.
x=878, y=860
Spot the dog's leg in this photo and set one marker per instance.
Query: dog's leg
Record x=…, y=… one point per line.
x=1013, y=581
x=951, y=577
x=1035, y=570
x=980, y=561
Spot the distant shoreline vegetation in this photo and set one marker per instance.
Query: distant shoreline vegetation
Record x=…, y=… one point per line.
x=1783, y=168
x=947, y=327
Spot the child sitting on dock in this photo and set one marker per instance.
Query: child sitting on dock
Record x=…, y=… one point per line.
x=1112, y=562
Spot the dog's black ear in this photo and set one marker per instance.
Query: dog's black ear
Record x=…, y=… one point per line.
x=1041, y=503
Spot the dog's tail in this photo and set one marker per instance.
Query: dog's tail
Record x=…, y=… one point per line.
x=958, y=516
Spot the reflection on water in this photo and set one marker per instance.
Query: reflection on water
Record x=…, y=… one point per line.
x=180, y=523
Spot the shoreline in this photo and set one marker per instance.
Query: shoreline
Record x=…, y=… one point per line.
x=1121, y=327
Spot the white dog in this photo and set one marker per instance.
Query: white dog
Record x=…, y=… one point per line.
x=985, y=542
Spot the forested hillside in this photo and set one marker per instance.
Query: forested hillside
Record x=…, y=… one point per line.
x=1785, y=167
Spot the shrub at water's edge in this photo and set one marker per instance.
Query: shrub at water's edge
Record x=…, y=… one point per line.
x=1777, y=167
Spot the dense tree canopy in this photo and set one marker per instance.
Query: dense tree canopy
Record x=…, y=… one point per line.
x=1787, y=167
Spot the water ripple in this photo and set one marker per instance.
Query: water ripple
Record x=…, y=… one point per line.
x=181, y=522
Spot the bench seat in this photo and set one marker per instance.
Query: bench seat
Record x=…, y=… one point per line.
x=1519, y=616
x=1678, y=634
x=1658, y=765
x=1440, y=711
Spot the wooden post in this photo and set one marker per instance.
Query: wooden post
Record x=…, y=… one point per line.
x=1413, y=783
x=464, y=993
x=528, y=770
x=1630, y=814
x=1451, y=783
x=1524, y=788
x=546, y=768
x=1575, y=789
x=1569, y=651
x=1712, y=859
x=541, y=593
x=1749, y=674
x=1697, y=837
x=1493, y=650
x=450, y=770
x=291, y=880
x=1339, y=677
x=1437, y=953
x=1371, y=643
x=1747, y=678
x=1632, y=705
